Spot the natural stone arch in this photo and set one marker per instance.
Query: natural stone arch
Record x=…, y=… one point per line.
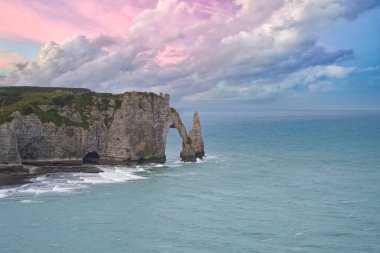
x=172, y=143
x=192, y=144
x=91, y=157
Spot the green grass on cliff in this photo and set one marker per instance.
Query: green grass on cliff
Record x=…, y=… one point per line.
x=45, y=102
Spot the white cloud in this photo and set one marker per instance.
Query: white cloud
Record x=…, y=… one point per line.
x=314, y=79
x=263, y=49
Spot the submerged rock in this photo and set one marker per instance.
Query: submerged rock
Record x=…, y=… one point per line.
x=63, y=169
x=22, y=174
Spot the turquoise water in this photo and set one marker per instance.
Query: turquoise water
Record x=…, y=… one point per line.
x=272, y=182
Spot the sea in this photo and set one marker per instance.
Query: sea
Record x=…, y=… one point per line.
x=271, y=181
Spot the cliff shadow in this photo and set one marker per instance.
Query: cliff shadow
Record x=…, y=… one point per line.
x=91, y=158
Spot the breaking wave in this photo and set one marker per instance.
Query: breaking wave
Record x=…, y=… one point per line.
x=69, y=182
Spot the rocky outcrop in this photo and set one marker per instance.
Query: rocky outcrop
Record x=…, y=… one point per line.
x=9, y=154
x=192, y=143
x=188, y=151
x=69, y=126
x=196, y=138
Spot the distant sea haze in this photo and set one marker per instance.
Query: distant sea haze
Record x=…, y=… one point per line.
x=295, y=181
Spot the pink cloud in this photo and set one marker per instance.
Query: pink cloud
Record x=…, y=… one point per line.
x=170, y=56
x=18, y=21
x=174, y=27
x=8, y=59
x=109, y=18
x=226, y=8
x=58, y=20
x=45, y=21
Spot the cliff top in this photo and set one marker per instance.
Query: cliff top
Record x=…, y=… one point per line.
x=46, y=102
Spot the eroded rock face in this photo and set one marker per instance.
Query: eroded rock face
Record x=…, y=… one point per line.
x=134, y=131
x=196, y=137
x=139, y=129
x=9, y=155
x=188, y=151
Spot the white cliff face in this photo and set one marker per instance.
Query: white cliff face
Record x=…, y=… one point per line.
x=139, y=129
x=133, y=132
x=9, y=154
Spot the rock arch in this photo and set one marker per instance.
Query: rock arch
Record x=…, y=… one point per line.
x=192, y=143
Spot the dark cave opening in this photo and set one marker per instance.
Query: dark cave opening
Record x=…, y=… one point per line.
x=91, y=157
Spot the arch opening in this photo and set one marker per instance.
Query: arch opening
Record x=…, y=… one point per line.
x=173, y=145
x=91, y=158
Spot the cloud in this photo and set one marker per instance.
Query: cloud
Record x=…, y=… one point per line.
x=314, y=79
x=42, y=21
x=9, y=59
x=204, y=50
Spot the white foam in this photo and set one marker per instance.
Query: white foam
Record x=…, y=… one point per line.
x=113, y=175
x=63, y=189
x=42, y=187
x=174, y=165
x=69, y=182
x=139, y=169
x=3, y=193
x=200, y=160
x=29, y=201
x=370, y=229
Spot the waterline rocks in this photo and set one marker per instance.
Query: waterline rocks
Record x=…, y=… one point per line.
x=17, y=175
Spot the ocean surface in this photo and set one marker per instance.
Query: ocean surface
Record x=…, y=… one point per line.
x=289, y=181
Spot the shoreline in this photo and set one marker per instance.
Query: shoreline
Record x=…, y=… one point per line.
x=22, y=175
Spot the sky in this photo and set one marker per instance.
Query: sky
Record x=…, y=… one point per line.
x=240, y=54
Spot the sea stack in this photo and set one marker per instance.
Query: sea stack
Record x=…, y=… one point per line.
x=61, y=126
x=196, y=137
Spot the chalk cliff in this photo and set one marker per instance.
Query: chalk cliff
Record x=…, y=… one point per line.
x=58, y=126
